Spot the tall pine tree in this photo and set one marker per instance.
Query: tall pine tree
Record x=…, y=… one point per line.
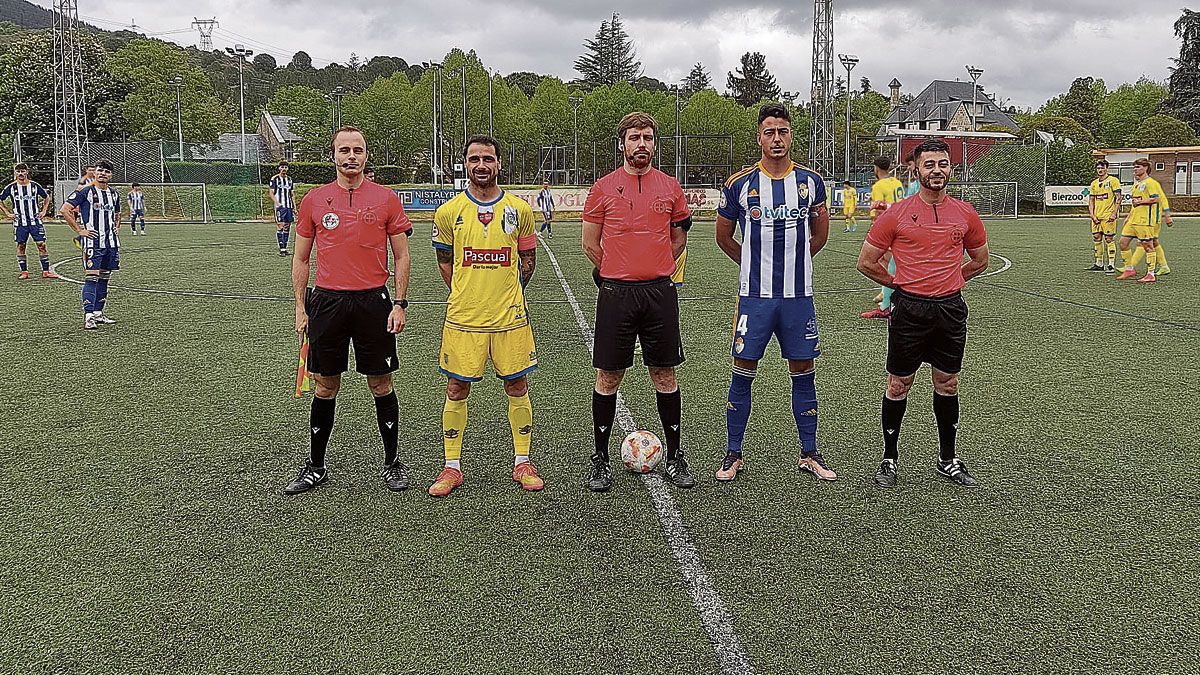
x=610, y=56
x=753, y=82
x=697, y=80
x=1184, y=83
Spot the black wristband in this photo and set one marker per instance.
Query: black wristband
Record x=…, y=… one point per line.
x=402, y=304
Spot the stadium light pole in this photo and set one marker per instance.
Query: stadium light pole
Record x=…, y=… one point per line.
x=975, y=73
x=177, y=82
x=336, y=97
x=849, y=61
x=241, y=53
x=675, y=88
x=491, y=120
x=575, y=101
x=436, y=117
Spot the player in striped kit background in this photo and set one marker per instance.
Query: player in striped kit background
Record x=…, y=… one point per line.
x=97, y=224
x=29, y=204
x=137, y=209
x=283, y=190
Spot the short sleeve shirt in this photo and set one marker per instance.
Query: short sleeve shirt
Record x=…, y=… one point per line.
x=351, y=229
x=635, y=215
x=928, y=242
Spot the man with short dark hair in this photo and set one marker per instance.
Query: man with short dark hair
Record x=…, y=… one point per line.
x=30, y=202
x=784, y=217
x=545, y=202
x=283, y=189
x=1144, y=221
x=351, y=222
x=927, y=235
x=137, y=208
x=887, y=190
x=635, y=224
x=1104, y=205
x=94, y=212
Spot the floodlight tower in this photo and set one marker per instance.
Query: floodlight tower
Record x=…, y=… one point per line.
x=70, y=112
x=821, y=150
x=205, y=26
x=849, y=61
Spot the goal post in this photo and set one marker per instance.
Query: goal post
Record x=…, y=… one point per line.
x=163, y=202
x=990, y=199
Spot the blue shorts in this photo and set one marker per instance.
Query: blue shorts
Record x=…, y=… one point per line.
x=284, y=214
x=36, y=232
x=137, y=213
x=793, y=321
x=102, y=259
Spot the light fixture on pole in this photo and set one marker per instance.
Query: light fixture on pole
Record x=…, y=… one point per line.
x=849, y=61
x=975, y=73
x=177, y=82
x=336, y=96
x=575, y=101
x=678, y=163
x=242, y=54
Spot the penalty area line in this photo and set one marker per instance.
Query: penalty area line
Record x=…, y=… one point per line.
x=714, y=616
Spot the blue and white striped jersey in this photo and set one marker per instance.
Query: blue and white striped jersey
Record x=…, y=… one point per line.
x=100, y=211
x=773, y=214
x=283, y=188
x=137, y=201
x=26, y=201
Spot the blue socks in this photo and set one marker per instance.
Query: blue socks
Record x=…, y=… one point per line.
x=45, y=259
x=23, y=262
x=737, y=411
x=90, y=284
x=804, y=409
x=101, y=293
x=282, y=236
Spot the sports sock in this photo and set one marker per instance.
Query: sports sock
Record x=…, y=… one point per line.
x=886, y=303
x=1112, y=254
x=279, y=239
x=387, y=413
x=101, y=292
x=893, y=416
x=89, y=294
x=1162, y=256
x=604, y=409
x=454, y=425
x=1151, y=261
x=23, y=262
x=283, y=238
x=1099, y=248
x=737, y=410
x=520, y=422
x=670, y=411
x=1136, y=258
x=45, y=260
x=1128, y=255
x=945, y=411
x=320, y=424
x=804, y=409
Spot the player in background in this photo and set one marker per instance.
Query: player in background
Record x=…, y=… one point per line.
x=635, y=224
x=886, y=191
x=486, y=251
x=94, y=212
x=1140, y=253
x=88, y=177
x=781, y=209
x=545, y=202
x=927, y=235
x=369, y=174
x=282, y=195
x=849, y=206
x=1143, y=222
x=1104, y=205
x=30, y=202
x=914, y=183
x=137, y=208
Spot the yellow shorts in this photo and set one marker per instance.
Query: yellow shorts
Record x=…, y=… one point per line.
x=465, y=354
x=1106, y=227
x=1140, y=232
x=848, y=212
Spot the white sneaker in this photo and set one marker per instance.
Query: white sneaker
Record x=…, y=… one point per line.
x=99, y=318
x=89, y=321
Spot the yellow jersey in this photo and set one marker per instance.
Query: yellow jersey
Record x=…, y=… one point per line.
x=889, y=190
x=485, y=291
x=1107, y=194
x=849, y=199
x=1147, y=214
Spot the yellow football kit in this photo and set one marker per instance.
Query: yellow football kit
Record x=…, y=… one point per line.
x=486, y=316
x=1107, y=196
x=888, y=190
x=849, y=201
x=1145, y=220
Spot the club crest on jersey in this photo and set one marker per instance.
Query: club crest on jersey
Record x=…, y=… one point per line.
x=368, y=216
x=723, y=201
x=501, y=257
x=510, y=220
x=738, y=345
x=485, y=215
x=330, y=221
x=661, y=205
x=802, y=190
x=957, y=234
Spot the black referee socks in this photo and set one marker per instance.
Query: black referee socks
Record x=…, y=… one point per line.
x=604, y=410
x=387, y=412
x=945, y=411
x=670, y=410
x=320, y=423
x=893, y=416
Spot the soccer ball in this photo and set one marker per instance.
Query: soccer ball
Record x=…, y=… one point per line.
x=641, y=452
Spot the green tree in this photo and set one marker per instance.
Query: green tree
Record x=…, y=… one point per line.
x=697, y=80
x=610, y=56
x=1126, y=107
x=1184, y=83
x=1160, y=131
x=147, y=67
x=1073, y=165
x=1061, y=127
x=388, y=119
x=524, y=80
x=1082, y=103
x=753, y=82
x=312, y=113
x=550, y=110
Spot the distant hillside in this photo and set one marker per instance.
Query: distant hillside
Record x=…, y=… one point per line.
x=25, y=14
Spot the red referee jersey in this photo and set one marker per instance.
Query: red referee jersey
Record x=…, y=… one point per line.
x=351, y=228
x=928, y=242
x=635, y=215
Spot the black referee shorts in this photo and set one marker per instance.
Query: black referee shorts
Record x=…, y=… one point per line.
x=337, y=318
x=926, y=330
x=627, y=311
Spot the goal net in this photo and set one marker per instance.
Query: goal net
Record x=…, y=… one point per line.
x=991, y=200
x=163, y=202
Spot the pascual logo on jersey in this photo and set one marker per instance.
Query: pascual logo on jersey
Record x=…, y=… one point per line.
x=779, y=213
x=487, y=256
x=330, y=221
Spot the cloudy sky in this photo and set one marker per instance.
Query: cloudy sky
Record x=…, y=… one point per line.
x=1030, y=50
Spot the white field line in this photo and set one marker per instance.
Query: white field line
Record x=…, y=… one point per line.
x=707, y=601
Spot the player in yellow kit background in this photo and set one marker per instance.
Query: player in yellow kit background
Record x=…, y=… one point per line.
x=486, y=250
x=1104, y=205
x=886, y=191
x=849, y=206
x=1144, y=221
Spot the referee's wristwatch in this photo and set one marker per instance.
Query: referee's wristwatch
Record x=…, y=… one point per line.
x=402, y=304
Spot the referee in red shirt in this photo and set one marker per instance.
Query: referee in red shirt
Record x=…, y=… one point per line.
x=927, y=234
x=635, y=224
x=352, y=221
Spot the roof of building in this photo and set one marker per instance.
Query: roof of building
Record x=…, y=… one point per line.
x=280, y=126
x=229, y=148
x=942, y=98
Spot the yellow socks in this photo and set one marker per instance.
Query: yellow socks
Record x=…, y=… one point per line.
x=1162, y=257
x=1099, y=248
x=1136, y=258
x=1112, y=253
x=520, y=421
x=454, y=424
x=1151, y=260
